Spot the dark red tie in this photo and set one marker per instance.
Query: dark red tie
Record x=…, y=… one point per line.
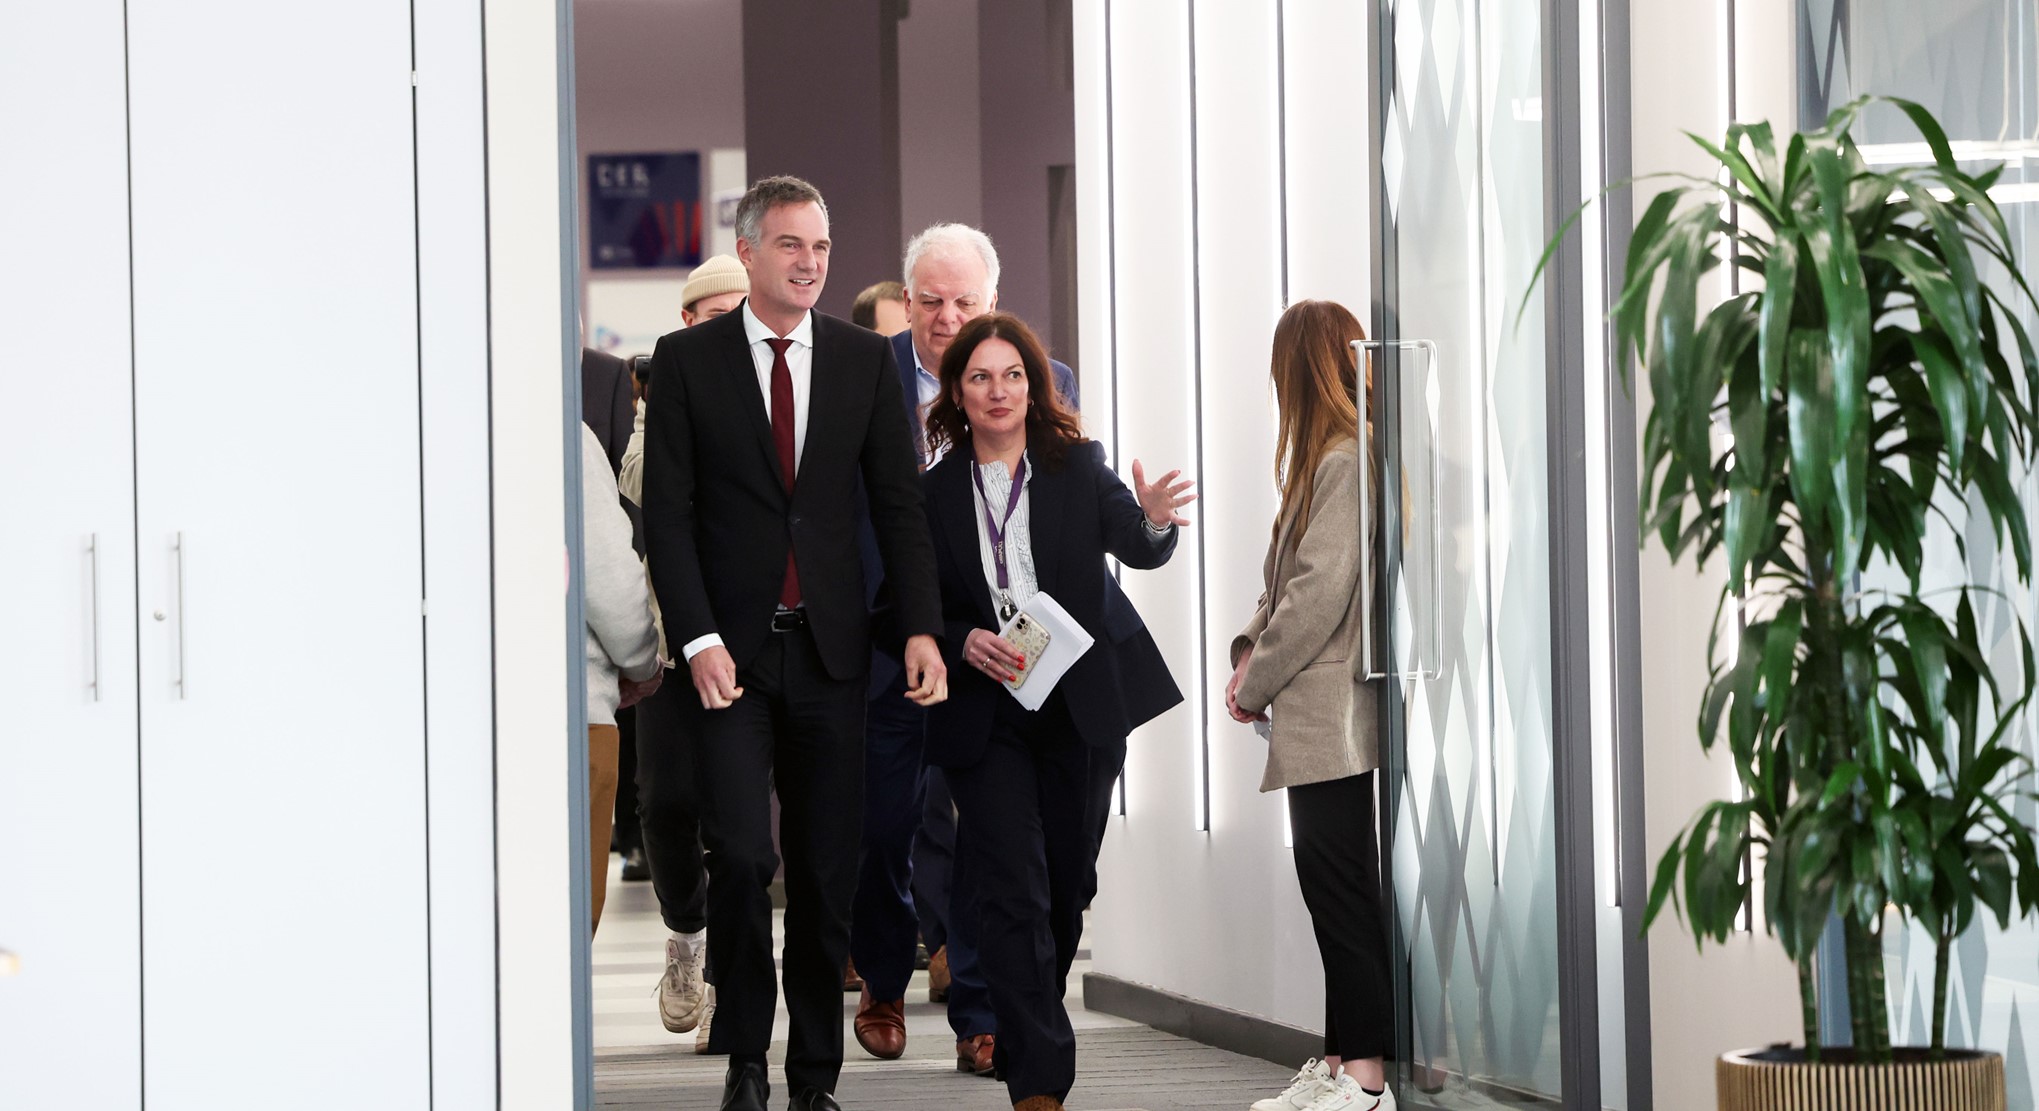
x=782, y=438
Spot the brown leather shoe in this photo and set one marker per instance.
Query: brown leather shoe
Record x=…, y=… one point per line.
x=881, y=1027
x=851, y=981
x=938, y=976
x=1038, y=1103
x=977, y=1053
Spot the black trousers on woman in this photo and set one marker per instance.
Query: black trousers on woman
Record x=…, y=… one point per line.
x=1338, y=866
x=1031, y=812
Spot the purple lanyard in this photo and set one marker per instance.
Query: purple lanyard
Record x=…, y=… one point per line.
x=997, y=527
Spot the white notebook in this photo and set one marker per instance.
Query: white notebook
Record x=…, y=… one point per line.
x=1067, y=642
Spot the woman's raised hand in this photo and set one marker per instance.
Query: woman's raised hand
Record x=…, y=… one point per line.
x=1163, y=497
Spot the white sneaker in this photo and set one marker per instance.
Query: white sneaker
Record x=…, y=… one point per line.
x=1312, y=1081
x=1346, y=1095
x=707, y=1020
x=682, y=994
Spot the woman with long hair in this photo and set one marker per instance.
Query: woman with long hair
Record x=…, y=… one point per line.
x=1024, y=506
x=1296, y=667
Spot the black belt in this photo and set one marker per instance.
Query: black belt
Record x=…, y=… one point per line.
x=786, y=621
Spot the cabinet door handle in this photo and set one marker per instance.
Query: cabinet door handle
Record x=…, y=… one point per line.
x=178, y=549
x=92, y=553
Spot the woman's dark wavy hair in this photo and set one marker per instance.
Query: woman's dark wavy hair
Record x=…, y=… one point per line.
x=1051, y=426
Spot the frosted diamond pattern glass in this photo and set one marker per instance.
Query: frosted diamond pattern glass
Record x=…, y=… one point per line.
x=1473, y=857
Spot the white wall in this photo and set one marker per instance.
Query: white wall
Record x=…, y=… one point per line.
x=1205, y=903
x=538, y=924
x=1745, y=993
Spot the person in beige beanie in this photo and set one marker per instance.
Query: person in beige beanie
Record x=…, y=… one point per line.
x=668, y=811
x=715, y=287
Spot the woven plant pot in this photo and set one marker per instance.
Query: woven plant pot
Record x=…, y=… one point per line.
x=1781, y=1080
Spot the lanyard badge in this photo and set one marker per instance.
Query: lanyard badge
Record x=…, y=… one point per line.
x=995, y=527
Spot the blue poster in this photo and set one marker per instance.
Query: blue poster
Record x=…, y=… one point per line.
x=644, y=210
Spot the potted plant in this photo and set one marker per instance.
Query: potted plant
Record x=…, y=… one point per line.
x=1866, y=396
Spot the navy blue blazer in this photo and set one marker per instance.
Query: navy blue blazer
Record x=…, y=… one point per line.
x=1077, y=515
x=885, y=650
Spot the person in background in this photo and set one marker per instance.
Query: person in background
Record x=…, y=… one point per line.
x=881, y=307
x=1297, y=663
x=668, y=811
x=1024, y=505
x=715, y=287
x=622, y=645
x=907, y=879
x=765, y=422
x=607, y=403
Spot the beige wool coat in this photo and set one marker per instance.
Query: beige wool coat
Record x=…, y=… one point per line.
x=1305, y=640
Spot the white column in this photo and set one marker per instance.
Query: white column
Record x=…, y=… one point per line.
x=538, y=923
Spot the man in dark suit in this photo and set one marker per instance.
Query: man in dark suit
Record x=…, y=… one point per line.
x=767, y=420
x=907, y=869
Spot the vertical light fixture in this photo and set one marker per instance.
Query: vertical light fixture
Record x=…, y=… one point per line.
x=1200, y=749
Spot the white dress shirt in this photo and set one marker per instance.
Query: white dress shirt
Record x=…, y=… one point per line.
x=800, y=366
x=927, y=387
x=799, y=363
x=1019, y=536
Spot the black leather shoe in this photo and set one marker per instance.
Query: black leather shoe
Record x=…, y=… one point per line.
x=746, y=1087
x=636, y=869
x=814, y=1099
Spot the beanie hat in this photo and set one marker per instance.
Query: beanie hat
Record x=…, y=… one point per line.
x=718, y=274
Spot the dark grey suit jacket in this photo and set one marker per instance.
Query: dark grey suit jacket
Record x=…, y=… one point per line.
x=607, y=408
x=605, y=402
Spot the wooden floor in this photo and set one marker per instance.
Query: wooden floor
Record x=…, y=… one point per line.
x=1120, y=1065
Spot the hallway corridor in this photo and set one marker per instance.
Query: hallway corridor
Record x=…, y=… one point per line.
x=1123, y=1066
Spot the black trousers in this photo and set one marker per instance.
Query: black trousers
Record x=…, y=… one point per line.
x=667, y=809
x=1338, y=865
x=884, y=921
x=800, y=732
x=945, y=899
x=1030, y=813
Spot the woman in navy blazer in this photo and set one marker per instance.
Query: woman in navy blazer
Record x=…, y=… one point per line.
x=1024, y=504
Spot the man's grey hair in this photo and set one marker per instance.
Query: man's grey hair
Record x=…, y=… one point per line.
x=949, y=240
x=768, y=194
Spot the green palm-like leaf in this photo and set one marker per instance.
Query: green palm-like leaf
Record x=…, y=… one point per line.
x=1877, y=389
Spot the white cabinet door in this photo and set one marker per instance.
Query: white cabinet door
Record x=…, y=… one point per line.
x=70, y=1034
x=282, y=694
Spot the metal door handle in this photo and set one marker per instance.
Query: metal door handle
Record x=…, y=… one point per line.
x=92, y=553
x=1366, y=583
x=177, y=547
x=1436, y=637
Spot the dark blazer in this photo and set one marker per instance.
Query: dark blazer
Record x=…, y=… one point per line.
x=885, y=658
x=606, y=403
x=608, y=408
x=717, y=515
x=1078, y=515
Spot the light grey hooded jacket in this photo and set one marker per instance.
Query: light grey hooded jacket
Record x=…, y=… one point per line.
x=616, y=600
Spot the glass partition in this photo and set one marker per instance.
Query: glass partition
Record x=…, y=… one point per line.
x=1466, y=551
